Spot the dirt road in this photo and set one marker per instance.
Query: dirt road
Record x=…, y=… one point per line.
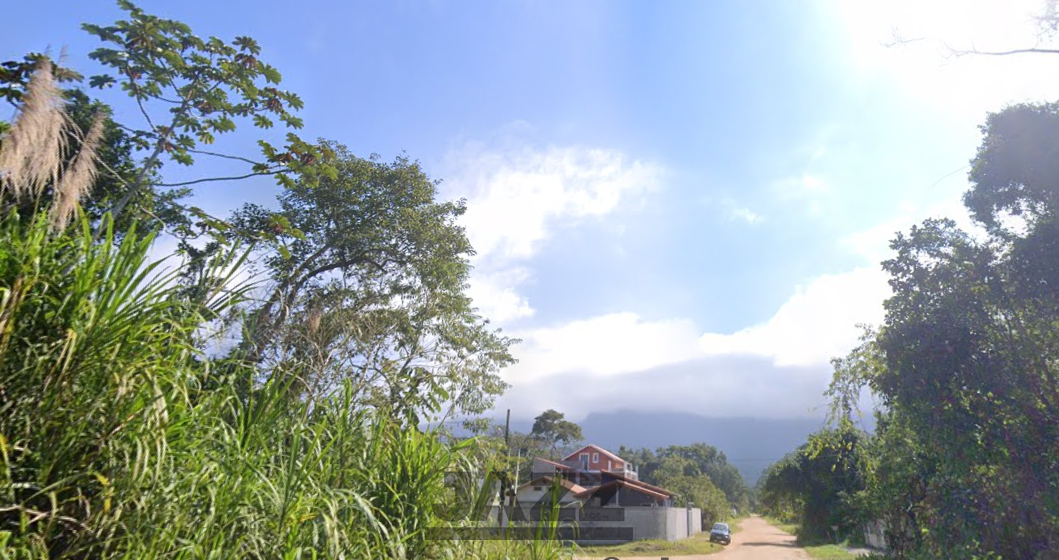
x=760, y=541
x=756, y=541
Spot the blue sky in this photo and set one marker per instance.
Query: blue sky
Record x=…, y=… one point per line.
x=698, y=192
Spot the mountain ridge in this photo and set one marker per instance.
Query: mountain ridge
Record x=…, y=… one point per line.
x=750, y=444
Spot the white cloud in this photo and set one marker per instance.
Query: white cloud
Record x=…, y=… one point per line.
x=817, y=323
x=496, y=297
x=736, y=212
x=747, y=215
x=605, y=345
x=719, y=386
x=775, y=369
x=518, y=198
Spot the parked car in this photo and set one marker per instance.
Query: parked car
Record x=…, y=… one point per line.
x=721, y=533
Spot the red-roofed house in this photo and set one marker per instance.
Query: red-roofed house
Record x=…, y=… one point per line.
x=593, y=458
x=603, y=479
x=602, y=495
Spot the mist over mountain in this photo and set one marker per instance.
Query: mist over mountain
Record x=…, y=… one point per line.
x=751, y=444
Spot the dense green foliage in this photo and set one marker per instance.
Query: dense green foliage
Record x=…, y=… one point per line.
x=368, y=272
x=697, y=473
x=820, y=486
x=121, y=439
x=965, y=459
x=126, y=431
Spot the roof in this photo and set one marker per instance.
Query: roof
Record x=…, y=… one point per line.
x=554, y=464
x=575, y=489
x=652, y=487
x=631, y=485
x=573, y=455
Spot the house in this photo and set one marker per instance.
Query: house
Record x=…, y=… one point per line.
x=593, y=476
x=535, y=490
x=601, y=495
x=617, y=490
x=593, y=458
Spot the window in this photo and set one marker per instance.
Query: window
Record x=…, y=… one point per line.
x=538, y=488
x=584, y=457
x=595, y=457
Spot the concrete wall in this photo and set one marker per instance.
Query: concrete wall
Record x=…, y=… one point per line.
x=664, y=523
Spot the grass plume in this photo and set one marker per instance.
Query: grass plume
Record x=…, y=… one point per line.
x=77, y=179
x=33, y=150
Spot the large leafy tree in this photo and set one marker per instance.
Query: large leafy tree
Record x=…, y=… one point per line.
x=552, y=428
x=368, y=272
x=966, y=363
x=714, y=464
x=368, y=269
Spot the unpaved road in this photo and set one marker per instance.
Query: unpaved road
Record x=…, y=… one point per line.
x=756, y=541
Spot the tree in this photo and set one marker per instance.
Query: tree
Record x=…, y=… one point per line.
x=1014, y=172
x=189, y=91
x=965, y=363
x=553, y=428
x=820, y=485
x=645, y=460
x=204, y=85
x=713, y=464
x=368, y=273
x=690, y=486
x=701, y=460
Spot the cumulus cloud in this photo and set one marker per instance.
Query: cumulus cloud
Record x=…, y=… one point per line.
x=496, y=297
x=776, y=369
x=518, y=198
x=604, y=345
x=817, y=323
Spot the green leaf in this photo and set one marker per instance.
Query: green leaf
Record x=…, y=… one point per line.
x=101, y=81
x=271, y=74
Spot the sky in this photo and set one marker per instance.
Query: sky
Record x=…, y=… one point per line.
x=677, y=206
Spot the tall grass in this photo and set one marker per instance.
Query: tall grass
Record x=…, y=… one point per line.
x=121, y=438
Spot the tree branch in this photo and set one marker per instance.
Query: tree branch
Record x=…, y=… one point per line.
x=214, y=179
x=1032, y=50
x=225, y=156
